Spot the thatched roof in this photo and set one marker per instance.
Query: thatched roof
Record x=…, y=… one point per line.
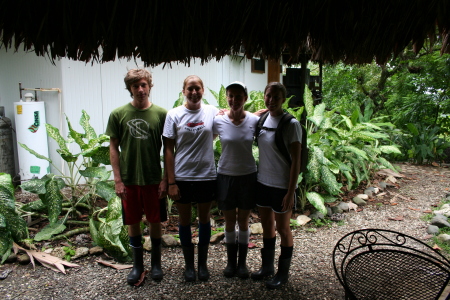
x=158, y=31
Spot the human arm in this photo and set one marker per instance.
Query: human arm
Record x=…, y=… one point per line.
x=162, y=189
x=114, y=155
x=169, y=167
x=295, y=150
x=260, y=112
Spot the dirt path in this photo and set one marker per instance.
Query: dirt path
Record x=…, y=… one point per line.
x=312, y=275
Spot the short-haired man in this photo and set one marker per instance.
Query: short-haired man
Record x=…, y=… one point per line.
x=137, y=128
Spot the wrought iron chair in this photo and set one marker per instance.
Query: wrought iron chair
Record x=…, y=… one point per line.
x=384, y=264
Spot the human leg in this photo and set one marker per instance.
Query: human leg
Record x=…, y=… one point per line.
x=134, y=233
x=230, y=240
x=284, y=261
x=243, y=239
x=184, y=212
x=155, y=236
x=204, y=236
x=269, y=239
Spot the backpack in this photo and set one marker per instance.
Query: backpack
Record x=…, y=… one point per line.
x=285, y=119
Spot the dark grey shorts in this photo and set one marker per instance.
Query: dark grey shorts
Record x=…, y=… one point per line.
x=197, y=191
x=271, y=197
x=236, y=191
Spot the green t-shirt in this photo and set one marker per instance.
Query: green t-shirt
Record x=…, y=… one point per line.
x=139, y=132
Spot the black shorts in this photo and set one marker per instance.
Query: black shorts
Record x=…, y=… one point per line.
x=196, y=191
x=270, y=197
x=236, y=191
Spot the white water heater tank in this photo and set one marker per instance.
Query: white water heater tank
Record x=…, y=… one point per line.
x=30, y=130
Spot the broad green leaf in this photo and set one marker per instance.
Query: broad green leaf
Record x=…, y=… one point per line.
x=383, y=162
x=349, y=177
x=125, y=239
x=114, y=209
x=222, y=100
x=34, y=152
x=374, y=135
x=348, y=122
x=330, y=183
x=54, y=133
x=48, y=231
x=6, y=241
x=35, y=186
x=95, y=172
x=84, y=122
x=314, y=168
x=214, y=93
x=317, y=201
x=36, y=205
x=179, y=101
x=413, y=129
x=53, y=200
x=78, y=137
x=102, y=155
x=93, y=229
x=309, y=102
x=17, y=226
x=5, y=180
x=355, y=150
x=329, y=198
x=105, y=190
x=390, y=149
x=317, y=120
x=319, y=110
x=7, y=199
x=67, y=156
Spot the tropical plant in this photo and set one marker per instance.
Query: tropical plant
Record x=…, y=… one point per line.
x=422, y=144
x=342, y=150
x=87, y=178
x=13, y=228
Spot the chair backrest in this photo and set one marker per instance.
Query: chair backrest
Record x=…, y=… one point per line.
x=384, y=264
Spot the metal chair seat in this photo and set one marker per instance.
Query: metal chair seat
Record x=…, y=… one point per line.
x=384, y=264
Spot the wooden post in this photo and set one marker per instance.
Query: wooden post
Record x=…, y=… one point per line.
x=273, y=70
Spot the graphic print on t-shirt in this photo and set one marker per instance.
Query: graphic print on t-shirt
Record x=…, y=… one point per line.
x=195, y=126
x=139, y=128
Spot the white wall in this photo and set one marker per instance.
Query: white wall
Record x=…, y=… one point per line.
x=99, y=88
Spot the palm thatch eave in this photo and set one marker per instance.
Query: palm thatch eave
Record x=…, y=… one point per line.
x=157, y=31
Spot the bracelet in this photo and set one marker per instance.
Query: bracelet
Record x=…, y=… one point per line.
x=173, y=183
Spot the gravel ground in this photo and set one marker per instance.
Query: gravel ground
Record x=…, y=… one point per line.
x=311, y=276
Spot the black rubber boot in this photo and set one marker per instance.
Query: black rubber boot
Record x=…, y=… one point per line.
x=203, y=273
x=282, y=275
x=242, y=271
x=230, y=269
x=189, y=272
x=156, y=273
x=267, y=269
x=138, y=265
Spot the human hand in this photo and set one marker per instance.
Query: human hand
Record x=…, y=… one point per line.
x=174, y=192
x=260, y=112
x=121, y=190
x=288, y=202
x=222, y=112
x=162, y=189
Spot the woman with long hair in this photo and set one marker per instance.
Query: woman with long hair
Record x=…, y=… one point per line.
x=277, y=182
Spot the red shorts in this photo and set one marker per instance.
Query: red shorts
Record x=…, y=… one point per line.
x=143, y=199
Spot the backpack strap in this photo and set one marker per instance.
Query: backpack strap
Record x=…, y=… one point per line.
x=285, y=119
x=259, y=126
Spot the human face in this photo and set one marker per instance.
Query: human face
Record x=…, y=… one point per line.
x=273, y=98
x=193, y=91
x=140, y=90
x=236, y=98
